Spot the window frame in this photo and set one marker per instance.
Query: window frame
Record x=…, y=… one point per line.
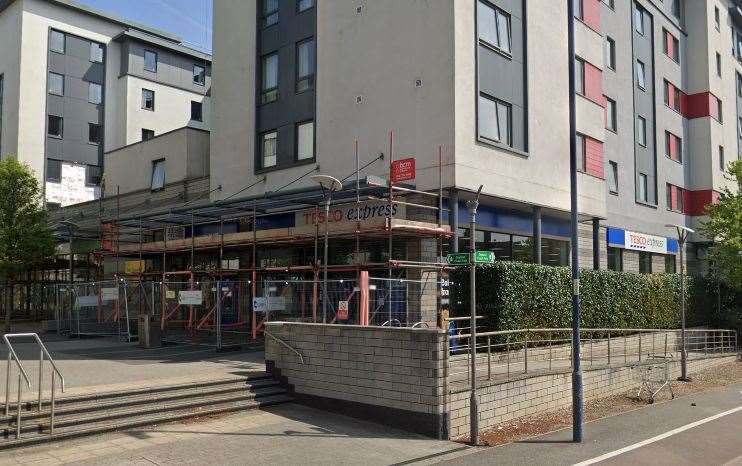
x=498, y=103
x=643, y=185
x=269, y=18
x=64, y=42
x=579, y=76
x=144, y=61
x=669, y=135
x=155, y=164
x=100, y=134
x=618, y=255
x=200, y=114
x=197, y=81
x=308, y=78
x=144, y=100
x=581, y=146
x=147, y=131
x=299, y=9
x=102, y=52
x=61, y=127
x=610, y=52
x=91, y=86
x=47, y=176
x=269, y=95
x=88, y=177
x=642, y=141
x=263, y=139
x=639, y=19
x=497, y=14
x=298, y=126
x=641, y=78
x=49, y=81
x=611, y=118
x=679, y=193
x=613, y=173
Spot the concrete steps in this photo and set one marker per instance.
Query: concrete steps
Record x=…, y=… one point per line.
x=78, y=416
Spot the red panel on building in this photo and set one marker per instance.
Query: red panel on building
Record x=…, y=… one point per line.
x=594, y=84
x=700, y=105
x=696, y=201
x=594, y=157
x=591, y=13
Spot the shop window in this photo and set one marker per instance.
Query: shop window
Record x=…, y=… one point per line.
x=645, y=262
x=615, y=259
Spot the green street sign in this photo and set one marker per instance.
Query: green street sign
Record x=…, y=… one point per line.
x=459, y=258
x=484, y=257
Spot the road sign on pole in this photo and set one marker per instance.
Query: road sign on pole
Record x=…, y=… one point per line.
x=458, y=258
x=484, y=257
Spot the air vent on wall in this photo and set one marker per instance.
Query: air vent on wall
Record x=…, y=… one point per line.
x=418, y=82
x=359, y=99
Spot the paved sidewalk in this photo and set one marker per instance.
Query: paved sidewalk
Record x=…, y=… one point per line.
x=288, y=434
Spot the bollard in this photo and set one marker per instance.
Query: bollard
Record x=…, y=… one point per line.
x=489, y=360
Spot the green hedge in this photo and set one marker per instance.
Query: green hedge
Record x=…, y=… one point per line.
x=518, y=295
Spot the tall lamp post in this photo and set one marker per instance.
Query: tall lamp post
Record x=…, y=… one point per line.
x=577, y=392
x=329, y=185
x=473, y=402
x=683, y=233
x=70, y=227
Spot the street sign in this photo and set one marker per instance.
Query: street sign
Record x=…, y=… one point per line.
x=458, y=258
x=403, y=170
x=484, y=257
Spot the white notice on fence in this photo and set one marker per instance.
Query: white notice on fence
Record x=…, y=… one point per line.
x=276, y=303
x=109, y=294
x=260, y=305
x=190, y=298
x=87, y=301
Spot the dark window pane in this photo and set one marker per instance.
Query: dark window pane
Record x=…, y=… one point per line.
x=93, y=175
x=150, y=61
x=147, y=134
x=53, y=170
x=199, y=75
x=148, y=99
x=197, y=111
x=56, y=126
x=94, y=135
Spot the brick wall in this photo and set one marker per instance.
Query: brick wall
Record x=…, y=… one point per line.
x=396, y=376
x=500, y=402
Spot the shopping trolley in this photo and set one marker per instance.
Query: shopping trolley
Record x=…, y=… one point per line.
x=653, y=376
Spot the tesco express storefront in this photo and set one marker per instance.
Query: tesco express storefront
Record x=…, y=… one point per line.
x=626, y=247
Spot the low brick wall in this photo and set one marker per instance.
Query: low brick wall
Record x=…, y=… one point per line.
x=396, y=376
x=500, y=402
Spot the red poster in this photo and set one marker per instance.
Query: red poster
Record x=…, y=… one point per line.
x=403, y=170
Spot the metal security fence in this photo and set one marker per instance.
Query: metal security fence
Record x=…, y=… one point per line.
x=403, y=302
x=510, y=353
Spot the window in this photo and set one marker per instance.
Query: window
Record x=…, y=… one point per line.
x=148, y=100
x=719, y=113
x=612, y=177
x=674, y=198
x=580, y=152
x=494, y=120
x=676, y=8
x=93, y=175
x=611, y=116
x=739, y=127
x=269, y=81
x=739, y=85
x=670, y=266
x=639, y=19
x=717, y=19
x=610, y=4
x=640, y=75
x=197, y=111
x=672, y=96
x=579, y=10
x=150, y=61
x=615, y=259
x=199, y=75
x=147, y=134
x=305, y=65
x=673, y=147
x=53, y=170
x=643, y=187
x=645, y=262
x=95, y=93
x=158, y=175
x=270, y=12
x=579, y=76
x=641, y=131
x=94, y=133
x=269, y=149
x=304, y=5
x=493, y=26
x=56, y=84
x=57, y=41
x=671, y=46
x=96, y=52
x=722, y=165
x=305, y=140
x=718, y=64
x=610, y=53
x=56, y=126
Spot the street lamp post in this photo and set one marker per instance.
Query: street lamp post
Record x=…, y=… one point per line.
x=473, y=403
x=329, y=185
x=683, y=233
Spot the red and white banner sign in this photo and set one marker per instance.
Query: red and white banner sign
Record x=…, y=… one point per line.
x=403, y=170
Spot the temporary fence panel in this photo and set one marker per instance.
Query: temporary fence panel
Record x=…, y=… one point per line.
x=95, y=309
x=403, y=302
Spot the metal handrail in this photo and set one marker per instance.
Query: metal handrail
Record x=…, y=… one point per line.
x=569, y=329
x=286, y=345
x=22, y=372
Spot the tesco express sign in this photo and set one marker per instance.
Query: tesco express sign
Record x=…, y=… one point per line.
x=642, y=242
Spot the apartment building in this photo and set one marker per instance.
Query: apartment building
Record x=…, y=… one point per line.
x=658, y=113
x=77, y=83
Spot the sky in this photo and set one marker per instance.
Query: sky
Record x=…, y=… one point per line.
x=188, y=19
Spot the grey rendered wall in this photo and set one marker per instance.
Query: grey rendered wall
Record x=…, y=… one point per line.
x=74, y=107
x=505, y=77
x=172, y=69
x=291, y=107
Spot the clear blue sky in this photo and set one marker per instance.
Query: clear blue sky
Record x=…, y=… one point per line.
x=189, y=19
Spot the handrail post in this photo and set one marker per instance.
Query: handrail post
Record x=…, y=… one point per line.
x=525, y=353
x=640, y=346
x=609, y=349
x=7, y=386
x=550, y=358
x=18, y=416
x=489, y=360
x=507, y=353
x=665, y=344
x=625, y=350
x=41, y=373
x=51, y=417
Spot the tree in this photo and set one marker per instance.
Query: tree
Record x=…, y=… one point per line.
x=25, y=238
x=725, y=227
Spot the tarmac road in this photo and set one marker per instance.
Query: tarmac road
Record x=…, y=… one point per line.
x=699, y=429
